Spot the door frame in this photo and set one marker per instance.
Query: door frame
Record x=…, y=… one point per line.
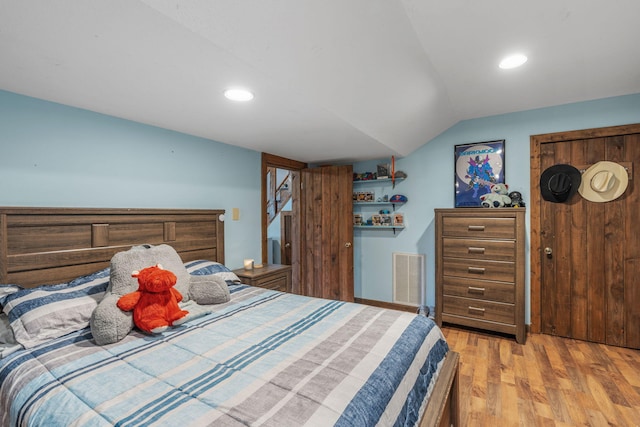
x=535, y=247
x=271, y=160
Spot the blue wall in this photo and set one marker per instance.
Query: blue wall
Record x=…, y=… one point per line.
x=430, y=182
x=54, y=155
x=59, y=156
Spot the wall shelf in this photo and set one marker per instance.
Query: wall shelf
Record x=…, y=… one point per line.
x=376, y=181
x=379, y=227
x=366, y=205
x=378, y=204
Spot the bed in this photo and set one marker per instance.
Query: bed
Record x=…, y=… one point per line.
x=262, y=358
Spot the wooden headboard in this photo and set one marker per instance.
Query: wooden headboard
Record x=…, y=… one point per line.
x=54, y=245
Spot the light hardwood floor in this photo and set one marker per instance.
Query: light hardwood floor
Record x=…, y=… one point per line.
x=549, y=381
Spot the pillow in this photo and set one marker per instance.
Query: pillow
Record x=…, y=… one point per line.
x=209, y=282
x=40, y=314
x=143, y=256
x=6, y=290
x=108, y=323
x=204, y=268
x=6, y=333
x=8, y=343
x=205, y=285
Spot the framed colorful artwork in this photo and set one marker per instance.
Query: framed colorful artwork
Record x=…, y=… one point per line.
x=477, y=166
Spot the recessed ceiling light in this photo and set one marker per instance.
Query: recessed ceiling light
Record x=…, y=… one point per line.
x=238, y=94
x=512, y=61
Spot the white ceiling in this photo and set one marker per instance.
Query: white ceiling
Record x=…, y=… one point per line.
x=334, y=80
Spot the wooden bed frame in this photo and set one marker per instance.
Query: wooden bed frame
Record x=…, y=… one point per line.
x=54, y=245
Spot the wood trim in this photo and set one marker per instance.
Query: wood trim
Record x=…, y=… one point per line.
x=536, y=142
x=3, y=248
x=385, y=304
x=271, y=160
x=170, y=231
x=587, y=133
x=443, y=408
x=99, y=235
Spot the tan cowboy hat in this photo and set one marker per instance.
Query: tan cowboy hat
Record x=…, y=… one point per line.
x=604, y=182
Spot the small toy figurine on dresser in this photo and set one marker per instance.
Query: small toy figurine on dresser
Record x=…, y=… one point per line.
x=497, y=197
x=516, y=199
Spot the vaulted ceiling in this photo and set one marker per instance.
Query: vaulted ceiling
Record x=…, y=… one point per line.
x=334, y=80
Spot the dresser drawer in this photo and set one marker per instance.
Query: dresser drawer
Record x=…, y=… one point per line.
x=274, y=283
x=478, y=227
x=272, y=276
x=496, y=250
x=479, y=289
x=476, y=269
x=479, y=309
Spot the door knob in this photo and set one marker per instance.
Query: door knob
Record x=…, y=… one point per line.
x=287, y=245
x=347, y=245
x=548, y=251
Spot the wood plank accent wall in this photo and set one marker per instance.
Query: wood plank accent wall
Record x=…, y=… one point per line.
x=52, y=245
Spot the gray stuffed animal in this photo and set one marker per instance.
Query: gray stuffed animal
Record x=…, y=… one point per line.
x=109, y=324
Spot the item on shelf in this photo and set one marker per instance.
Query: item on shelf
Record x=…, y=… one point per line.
x=398, y=219
x=497, y=197
x=399, y=175
x=376, y=219
x=365, y=176
x=383, y=171
x=516, y=199
x=385, y=220
x=384, y=212
x=357, y=219
x=398, y=198
x=363, y=196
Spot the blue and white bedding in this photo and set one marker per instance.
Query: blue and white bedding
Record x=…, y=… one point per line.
x=264, y=358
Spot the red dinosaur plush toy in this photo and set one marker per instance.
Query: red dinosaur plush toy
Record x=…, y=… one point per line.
x=155, y=303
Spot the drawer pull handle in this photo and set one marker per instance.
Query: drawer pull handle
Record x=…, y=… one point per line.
x=476, y=228
x=476, y=250
x=476, y=270
x=474, y=289
x=476, y=309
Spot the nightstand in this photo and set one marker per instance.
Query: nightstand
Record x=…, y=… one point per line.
x=271, y=276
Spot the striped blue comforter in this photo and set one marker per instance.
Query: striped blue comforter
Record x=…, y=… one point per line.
x=264, y=358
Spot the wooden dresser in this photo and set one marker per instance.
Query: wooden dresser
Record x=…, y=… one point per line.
x=480, y=269
x=271, y=276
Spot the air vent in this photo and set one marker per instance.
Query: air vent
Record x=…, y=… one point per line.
x=408, y=278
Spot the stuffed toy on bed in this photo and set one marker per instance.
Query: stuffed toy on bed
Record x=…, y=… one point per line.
x=110, y=324
x=155, y=303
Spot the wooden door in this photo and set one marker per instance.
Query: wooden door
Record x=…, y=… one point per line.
x=588, y=287
x=285, y=237
x=327, y=232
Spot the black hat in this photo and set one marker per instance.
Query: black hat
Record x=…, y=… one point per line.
x=559, y=183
